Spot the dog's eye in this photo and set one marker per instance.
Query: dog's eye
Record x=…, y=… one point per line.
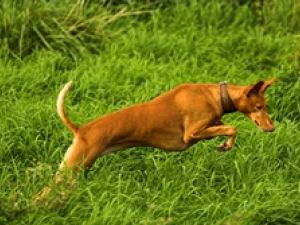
x=259, y=107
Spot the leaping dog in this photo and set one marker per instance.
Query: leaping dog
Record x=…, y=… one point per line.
x=172, y=121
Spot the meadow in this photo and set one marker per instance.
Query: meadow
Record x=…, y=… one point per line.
x=135, y=54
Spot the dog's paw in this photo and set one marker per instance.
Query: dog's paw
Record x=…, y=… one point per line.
x=224, y=147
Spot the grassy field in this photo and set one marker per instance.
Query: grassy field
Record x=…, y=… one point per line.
x=256, y=183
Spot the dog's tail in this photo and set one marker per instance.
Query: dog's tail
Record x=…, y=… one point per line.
x=60, y=108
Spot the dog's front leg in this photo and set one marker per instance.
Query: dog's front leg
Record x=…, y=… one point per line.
x=214, y=131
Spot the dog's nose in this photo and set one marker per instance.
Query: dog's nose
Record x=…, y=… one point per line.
x=272, y=129
x=269, y=129
x=269, y=126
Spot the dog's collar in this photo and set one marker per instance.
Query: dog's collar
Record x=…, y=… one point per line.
x=226, y=101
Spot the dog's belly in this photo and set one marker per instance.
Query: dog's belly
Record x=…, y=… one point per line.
x=164, y=141
x=167, y=142
x=171, y=146
x=166, y=146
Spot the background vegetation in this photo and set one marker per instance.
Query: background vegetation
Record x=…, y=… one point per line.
x=121, y=54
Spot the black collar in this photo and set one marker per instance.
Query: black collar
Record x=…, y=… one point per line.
x=226, y=101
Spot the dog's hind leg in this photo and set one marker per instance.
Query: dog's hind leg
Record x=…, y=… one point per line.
x=80, y=155
x=76, y=156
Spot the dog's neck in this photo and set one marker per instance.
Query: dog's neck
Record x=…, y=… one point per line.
x=226, y=101
x=230, y=96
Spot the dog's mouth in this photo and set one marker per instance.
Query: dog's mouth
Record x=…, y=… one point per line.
x=264, y=128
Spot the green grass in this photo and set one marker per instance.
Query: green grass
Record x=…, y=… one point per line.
x=71, y=27
x=258, y=182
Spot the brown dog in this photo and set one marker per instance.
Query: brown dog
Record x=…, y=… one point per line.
x=173, y=121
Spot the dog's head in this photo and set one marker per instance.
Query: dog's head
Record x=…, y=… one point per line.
x=253, y=104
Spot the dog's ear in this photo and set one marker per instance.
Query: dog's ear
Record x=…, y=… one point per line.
x=254, y=89
x=267, y=84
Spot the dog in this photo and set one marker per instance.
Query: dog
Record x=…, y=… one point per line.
x=172, y=121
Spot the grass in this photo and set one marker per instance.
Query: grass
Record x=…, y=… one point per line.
x=258, y=182
x=71, y=27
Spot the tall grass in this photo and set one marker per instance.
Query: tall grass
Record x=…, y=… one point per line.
x=70, y=27
x=74, y=27
x=255, y=183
